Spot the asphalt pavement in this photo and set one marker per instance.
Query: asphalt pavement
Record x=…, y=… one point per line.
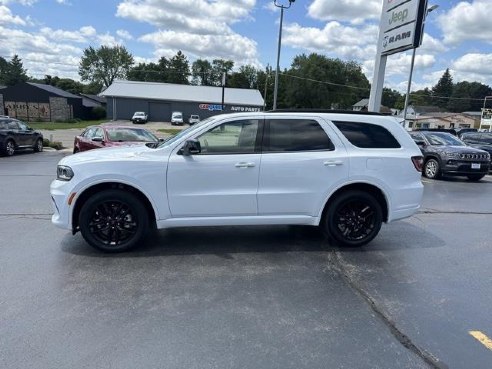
x=245, y=297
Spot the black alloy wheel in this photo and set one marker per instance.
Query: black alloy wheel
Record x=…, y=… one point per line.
x=113, y=221
x=38, y=146
x=353, y=218
x=9, y=148
x=432, y=169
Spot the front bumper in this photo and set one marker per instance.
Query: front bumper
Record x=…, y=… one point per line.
x=457, y=167
x=60, y=192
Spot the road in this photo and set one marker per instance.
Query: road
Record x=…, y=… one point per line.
x=251, y=297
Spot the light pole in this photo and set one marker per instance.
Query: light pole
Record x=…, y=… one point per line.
x=282, y=7
x=407, y=97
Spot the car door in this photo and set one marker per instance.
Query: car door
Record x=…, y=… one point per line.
x=302, y=160
x=28, y=135
x=85, y=139
x=222, y=180
x=14, y=132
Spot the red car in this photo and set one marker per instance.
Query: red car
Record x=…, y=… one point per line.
x=95, y=137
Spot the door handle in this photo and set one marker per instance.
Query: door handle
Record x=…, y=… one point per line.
x=332, y=163
x=244, y=165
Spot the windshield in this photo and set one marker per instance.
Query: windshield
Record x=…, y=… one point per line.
x=184, y=132
x=130, y=134
x=443, y=139
x=139, y=114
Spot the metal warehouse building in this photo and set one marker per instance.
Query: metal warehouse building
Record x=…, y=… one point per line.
x=159, y=100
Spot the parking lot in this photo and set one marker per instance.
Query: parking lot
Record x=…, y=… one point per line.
x=250, y=297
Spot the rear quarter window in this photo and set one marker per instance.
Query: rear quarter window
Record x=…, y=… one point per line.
x=367, y=135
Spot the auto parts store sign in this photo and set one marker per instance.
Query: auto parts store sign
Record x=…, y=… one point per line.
x=401, y=25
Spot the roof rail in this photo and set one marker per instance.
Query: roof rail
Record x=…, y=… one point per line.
x=334, y=111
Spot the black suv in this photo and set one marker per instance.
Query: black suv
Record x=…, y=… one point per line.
x=479, y=140
x=446, y=154
x=16, y=135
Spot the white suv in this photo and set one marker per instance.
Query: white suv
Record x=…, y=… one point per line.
x=347, y=173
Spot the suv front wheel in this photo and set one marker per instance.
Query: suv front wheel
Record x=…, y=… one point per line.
x=113, y=220
x=353, y=218
x=432, y=169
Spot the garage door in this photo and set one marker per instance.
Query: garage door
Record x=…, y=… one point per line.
x=160, y=112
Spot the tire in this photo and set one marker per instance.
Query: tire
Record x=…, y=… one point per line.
x=113, y=221
x=9, y=148
x=353, y=219
x=38, y=146
x=432, y=169
x=475, y=177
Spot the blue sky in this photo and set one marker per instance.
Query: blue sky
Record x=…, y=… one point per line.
x=50, y=35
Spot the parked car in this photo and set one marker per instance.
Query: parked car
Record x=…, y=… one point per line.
x=177, y=118
x=479, y=140
x=193, y=119
x=139, y=117
x=346, y=173
x=95, y=137
x=16, y=135
x=446, y=154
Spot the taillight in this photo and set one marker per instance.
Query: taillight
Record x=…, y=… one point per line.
x=418, y=162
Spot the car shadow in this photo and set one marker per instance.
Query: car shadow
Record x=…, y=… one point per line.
x=227, y=241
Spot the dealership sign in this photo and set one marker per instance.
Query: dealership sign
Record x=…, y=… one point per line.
x=401, y=25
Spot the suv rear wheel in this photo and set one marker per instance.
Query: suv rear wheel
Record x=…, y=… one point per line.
x=9, y=148
x=113, y=221
x=353, y=218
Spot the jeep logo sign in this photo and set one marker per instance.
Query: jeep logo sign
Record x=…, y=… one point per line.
x=399, y=16
x=401, y=25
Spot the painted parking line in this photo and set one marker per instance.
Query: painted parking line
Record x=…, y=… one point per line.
x=482, y=338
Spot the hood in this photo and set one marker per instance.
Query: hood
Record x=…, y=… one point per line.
x=463, y=150
x=108, y=154
x=485, y=147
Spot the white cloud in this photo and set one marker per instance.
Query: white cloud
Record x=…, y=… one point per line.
x=63, y=2
x=22, y=2
x=473, y=67
x=467, y=21
x=354, y=11
x=240, y=49
x=124, y=34
x=7, y=17
x=348, y=42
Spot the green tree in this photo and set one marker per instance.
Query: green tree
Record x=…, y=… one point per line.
x=443, y=90
x=460, y=98
x=390, y=97
x=315, y=81
x=201, y=71
x=179, y=69
x=219, y=66
x=105, y=64
x=3, y=70
x=14, y=72
x=245, y=77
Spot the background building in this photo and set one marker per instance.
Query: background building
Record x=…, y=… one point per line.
x=38, y=102
x=159, y=100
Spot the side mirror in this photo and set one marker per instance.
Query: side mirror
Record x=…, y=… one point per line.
x=97, y=139
x=161, y=140
x=191, y=147
x=30, y=129
x=420, y=143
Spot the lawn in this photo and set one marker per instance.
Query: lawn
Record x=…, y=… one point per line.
x=51, y=126
x=169, y=131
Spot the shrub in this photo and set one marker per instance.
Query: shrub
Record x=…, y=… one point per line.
x=98, y=112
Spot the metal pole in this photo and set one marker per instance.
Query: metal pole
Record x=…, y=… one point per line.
x=265, y=94
x=223, y=89
x=275, y=92
x=407, y=98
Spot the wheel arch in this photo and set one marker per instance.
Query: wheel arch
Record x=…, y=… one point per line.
x=374, y=190
x=89, y=191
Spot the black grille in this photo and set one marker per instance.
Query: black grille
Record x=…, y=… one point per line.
x=474, y=156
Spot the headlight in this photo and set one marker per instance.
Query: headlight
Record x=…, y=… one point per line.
x=64, y=173
x=452, y=155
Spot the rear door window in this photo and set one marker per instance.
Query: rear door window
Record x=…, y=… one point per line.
x=292, y=135
x=367, y=135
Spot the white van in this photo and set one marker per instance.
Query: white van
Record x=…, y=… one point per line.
x=177, y=118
